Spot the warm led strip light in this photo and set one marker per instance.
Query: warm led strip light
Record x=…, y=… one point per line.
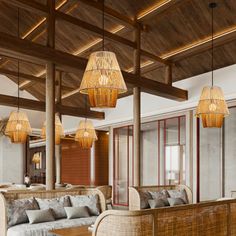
x=42, y=21
x=152, y=9
x=194, y=45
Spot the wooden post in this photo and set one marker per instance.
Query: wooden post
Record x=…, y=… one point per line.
x=58, y=147
x=137, y=110
x=168, y=77
x=50, y=102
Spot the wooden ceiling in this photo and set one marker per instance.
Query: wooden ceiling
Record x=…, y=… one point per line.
x=175, y=30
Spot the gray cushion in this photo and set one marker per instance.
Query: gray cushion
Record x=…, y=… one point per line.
x=176, y=201
x=56, y=204
x=144, y=197
x=42, y=229
x=179, y=194
x=39, y=216
x=163, y=194
x=91, y=201
x=77, y=212
x=156, y=203
x=16, y=210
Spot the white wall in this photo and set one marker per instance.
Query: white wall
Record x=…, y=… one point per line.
x=11, y=161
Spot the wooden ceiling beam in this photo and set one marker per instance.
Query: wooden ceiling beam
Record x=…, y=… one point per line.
x=111, y=36
x=34, y=6
x=29, y=104
x=19, y=48
x=111, y=12
x=94, y=29
x=31, y=5
x=155, y=87
x=29, y=77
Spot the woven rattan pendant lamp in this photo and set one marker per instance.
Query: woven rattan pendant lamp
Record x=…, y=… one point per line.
x=18, y=127
x=212, y=107
x=102, y=80
x=59, y=130
x=85, y=134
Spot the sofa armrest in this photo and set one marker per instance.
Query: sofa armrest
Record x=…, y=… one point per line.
x=3, y=216
x=134, y=199
x=125, y=223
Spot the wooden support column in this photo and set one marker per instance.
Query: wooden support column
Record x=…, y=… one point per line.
x=137, y=110
x=58, y=147
x=168, y=75
x=50, y=102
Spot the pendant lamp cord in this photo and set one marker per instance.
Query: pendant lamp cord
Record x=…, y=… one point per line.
x=18, y=63
x=212, y=45
x=103, y=25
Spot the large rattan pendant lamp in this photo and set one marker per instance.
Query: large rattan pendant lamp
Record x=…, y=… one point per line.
x=212, y=107
x=102, y=80
x=85, y=134
x=18, y=127
x=59, y=130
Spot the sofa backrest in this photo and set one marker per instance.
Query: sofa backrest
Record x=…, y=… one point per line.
x=135, y=198
x=216, y=218
x=20, y=194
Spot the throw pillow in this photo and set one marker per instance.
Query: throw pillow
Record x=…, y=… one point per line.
x=56, y=205
x=39, y=216
x=77, y=212
x=179, y=194
x=16, y=210
x=144, y=198
x=91, y=201
x=163, y=194
x=156, y=203
x=176, y=201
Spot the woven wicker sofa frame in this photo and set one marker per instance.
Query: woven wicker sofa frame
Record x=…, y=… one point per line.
x=134, y=194
x=20, y=194
x=216, y=218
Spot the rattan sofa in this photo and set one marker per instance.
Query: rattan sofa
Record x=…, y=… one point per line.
x=135, y=198
x=216, y=218
x=13, y=195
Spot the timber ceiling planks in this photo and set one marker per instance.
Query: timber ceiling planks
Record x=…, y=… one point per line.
x=179, y=24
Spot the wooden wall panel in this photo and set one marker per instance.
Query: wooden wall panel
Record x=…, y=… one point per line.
x=75, y=163
x=101, y=159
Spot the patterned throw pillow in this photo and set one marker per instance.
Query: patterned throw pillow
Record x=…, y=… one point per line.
x=163, y=195
x=144, y=198
x=91, y=201
x=16, y=210
x=179, y=194
x=56, y=205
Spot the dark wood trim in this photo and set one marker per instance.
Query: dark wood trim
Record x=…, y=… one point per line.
x=6, y=100
x=19, y=48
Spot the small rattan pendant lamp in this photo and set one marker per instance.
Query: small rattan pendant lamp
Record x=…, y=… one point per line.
x=102, y=80
x=85, y=134
x=59, y=130
x=212, y=107
x=18, y=127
